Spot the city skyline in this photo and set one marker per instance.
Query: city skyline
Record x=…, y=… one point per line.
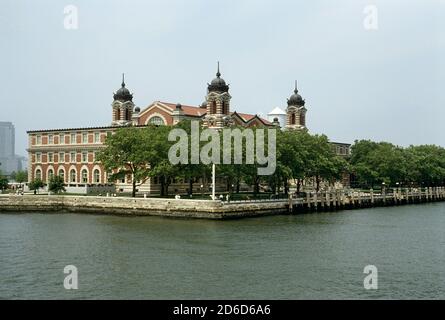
x=356, y=82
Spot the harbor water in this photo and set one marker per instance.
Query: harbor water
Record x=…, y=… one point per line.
x=306, y=256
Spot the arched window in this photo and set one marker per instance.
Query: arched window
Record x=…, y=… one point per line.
x=84, y=176
x=224, y=107
x=50, y=174
x=39, y=174
x=213, y=109
x=62, y=174
x=96, y=176
x=118, y=114
x=128, y=115
x=157, y=121
x=292, y=118
x=303, y=119
x=73, y=175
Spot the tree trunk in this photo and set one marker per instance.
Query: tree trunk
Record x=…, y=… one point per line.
x=133, y=181
x=190, y=186
x=166, y=188
x=161, y=179
x=286, y=187
x=317, y=182
x=256, y=186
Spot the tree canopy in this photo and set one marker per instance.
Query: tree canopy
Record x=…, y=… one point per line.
x=374, y=163
x=21, y=177
x=141, y=153
x=36, y=184
x=56, y=184
x=133, y=153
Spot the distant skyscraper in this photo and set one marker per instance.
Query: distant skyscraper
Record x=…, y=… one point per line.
x=9, y=161
x=7, y=139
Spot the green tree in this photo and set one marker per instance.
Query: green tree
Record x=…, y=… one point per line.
x=124, y=155
x=322, y=162
x=188, y=172
x=135, y=153
x=36, y=184
x=425, y=164
x=235, y=173
x=3, y=182
x=165, y=172
x=374, y=163
x=21, y=177
x=56, y=184
x=293, y=156
x=250, y=171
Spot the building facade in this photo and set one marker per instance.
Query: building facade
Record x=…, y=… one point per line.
x=71, y=153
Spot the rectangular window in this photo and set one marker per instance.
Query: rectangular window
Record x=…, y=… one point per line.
x=96, y=137
x=50, y=139
x=50, y=157
x=39, y=140
x=73, y=157
x=38, y=157
x=84, y=156
x=62, y=138
x=61, y=157
x=73, y=138
x=84, y=138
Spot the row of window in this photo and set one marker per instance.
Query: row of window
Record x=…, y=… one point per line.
x=71, y=137
x=342, y=150
x=72, y=157
x=72, y=178
x=72, y=175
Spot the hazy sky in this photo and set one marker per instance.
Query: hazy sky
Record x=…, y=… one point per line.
x=385, y=84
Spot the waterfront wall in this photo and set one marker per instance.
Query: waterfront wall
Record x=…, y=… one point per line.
x=207, y=209
x=139, y=206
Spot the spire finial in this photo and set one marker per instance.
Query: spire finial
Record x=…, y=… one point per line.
x=218, y=74
x=296, y=87
x=123, y=79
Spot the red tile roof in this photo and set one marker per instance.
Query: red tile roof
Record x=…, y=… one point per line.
x=199, y=112
x=188, y=110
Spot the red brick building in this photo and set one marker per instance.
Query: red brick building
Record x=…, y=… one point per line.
x=70, y=153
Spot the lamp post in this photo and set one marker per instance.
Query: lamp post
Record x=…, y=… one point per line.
x=213, y=180
x=226, y=119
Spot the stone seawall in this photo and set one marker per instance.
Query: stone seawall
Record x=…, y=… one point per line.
x=185, y=208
